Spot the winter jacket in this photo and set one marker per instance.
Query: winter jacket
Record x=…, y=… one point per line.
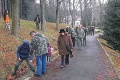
x=61, y=44
x=49, y=51
x=6, y=19
x=80, y=33
x=23, y=51
x=72, y=32
x=37, y=19
x=38, y=45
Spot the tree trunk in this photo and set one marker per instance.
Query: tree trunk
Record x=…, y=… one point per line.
x=21, y=8
x=86, y=16
x=4, y=6
x=72, y=21
x=10, y=8
x=57, y=15
x=15, y=17
x=0, y=9
x=72, y=11
x=100, y=13
x=42, y=3
x=81, y=10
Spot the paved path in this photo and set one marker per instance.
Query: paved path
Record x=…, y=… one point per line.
x=91, y=63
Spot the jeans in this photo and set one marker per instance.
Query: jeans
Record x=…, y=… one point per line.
x=64, y=60
x=41, y=64
x=80, y=43
x=37, y=25
x=20, y=61
x=67, y=59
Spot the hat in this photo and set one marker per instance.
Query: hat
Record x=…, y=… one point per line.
x=62, y=31
x=25, y=43
x=67, y=26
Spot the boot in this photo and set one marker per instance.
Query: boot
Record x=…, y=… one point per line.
x=14, y=73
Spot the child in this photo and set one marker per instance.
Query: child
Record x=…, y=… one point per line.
x=23, y=54
x=49, y=54
x=6, y=20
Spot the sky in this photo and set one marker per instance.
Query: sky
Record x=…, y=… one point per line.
x=103, y=1
x=38, y=1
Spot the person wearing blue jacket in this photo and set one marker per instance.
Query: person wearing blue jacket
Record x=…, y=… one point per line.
x=23, y=54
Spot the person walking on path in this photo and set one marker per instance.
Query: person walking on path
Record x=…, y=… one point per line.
x=84, y=39
x=6, y=20
x=92, y=30
x=80, y=35
x=89, y=64
x=63, y=41
x=37, y=21
x=73, y=36
x=49, y=54
x=23, y=54
x=39, y=47
x=68, y=29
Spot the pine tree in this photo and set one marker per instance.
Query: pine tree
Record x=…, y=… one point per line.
x=112, y=24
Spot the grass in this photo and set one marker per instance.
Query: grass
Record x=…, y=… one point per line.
x=9, y=44
x=114, y=55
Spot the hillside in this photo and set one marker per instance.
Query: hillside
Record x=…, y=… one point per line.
x=9, y=44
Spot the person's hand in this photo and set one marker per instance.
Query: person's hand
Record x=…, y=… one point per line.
x=19, y=59
x=71, y=55
x=30, y=61
x=72, y=50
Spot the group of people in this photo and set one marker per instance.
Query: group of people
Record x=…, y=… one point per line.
x=78, y=35
x=91, y=30
x=40, y=47
x=69, y=37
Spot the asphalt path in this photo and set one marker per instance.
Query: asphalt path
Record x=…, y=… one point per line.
x=90, y=63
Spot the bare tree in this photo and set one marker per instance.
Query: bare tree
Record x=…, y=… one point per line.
x=57, y=13
x=42, y=3
x=15, y=17
x=100, y=4
x=0, y=9
x=73, y=10
x=81, y=10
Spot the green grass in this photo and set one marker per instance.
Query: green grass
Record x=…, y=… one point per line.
x=104, y=42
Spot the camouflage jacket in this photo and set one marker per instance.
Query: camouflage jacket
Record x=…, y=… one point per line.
x=38, y=45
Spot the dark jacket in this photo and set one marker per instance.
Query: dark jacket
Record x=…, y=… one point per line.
x=37, y=19
x=23, y=51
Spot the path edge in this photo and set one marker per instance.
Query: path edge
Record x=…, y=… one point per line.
x=117, y=72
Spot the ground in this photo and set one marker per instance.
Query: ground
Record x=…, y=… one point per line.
x=100, y=67
x=91, y=63
x=9, y=44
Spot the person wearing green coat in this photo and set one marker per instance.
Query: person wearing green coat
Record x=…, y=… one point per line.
x=80, y=35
